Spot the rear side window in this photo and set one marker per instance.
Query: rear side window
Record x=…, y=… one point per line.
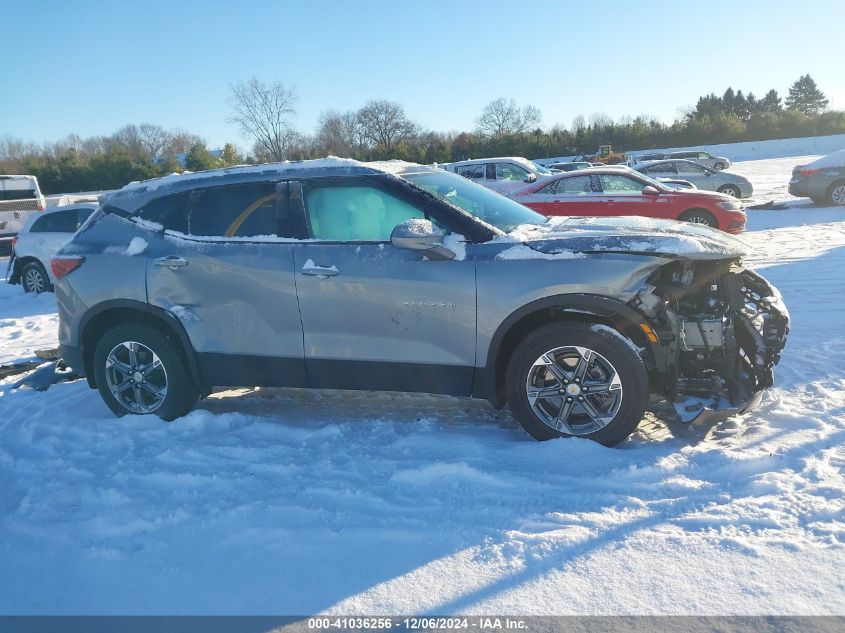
x=577, y=185
x=471, y=171
x=57, y=222
x=663, y=168
x=247, y=210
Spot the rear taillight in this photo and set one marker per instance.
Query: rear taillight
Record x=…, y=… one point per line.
x=808, y=172
x=61, y=266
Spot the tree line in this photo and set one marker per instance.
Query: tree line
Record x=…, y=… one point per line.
x=380, y=129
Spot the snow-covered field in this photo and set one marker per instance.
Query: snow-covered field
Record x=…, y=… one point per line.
x=291, y=502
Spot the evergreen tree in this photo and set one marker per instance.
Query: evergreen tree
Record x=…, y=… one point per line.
x=771, y=102
x=806, y=97
x=230, y=156
x=199, y=158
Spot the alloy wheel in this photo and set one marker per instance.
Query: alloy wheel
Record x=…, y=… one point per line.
x=837, y=196
x=731, y=191
x=34, y=280
x=136, y=377
x=574, y=390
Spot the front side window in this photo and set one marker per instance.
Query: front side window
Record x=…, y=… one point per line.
x=509, y=171
x=171, y=212
x=358, y=213
x=620, y=185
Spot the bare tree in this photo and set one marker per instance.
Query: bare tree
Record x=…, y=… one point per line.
x=264, y=112
x=384, y=124
x=339, y=133
x=503, y=117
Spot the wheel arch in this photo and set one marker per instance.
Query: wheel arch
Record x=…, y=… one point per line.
x=584, y=308
x=108, y=313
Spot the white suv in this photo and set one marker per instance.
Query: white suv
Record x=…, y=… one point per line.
x=503, y=175
x=38, y=242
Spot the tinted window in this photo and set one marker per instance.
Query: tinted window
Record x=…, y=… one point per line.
x=82, y=214
x=18, y=194
x=509, y=171
x=171, y=212
x=471, y=171
x=356, y=213
x=247, y=210
x=620, y=184
x=58, y=222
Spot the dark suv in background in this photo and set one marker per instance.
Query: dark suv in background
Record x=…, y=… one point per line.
x=392, y=276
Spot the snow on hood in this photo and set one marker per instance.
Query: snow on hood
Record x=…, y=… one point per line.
x=837, y=159
x=628, y=235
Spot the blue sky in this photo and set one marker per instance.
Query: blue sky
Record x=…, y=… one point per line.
x=90, y=67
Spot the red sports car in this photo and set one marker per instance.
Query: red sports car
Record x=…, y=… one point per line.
x=613, y=191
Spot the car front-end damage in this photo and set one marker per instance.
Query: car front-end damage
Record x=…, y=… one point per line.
x=720, y=329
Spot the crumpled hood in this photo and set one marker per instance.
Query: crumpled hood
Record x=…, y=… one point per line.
x=628, y=235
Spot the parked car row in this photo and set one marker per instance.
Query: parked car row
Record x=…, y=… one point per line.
x=339, y=274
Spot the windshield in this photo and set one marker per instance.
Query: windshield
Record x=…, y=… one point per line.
x=540, y=168
x=503, y=213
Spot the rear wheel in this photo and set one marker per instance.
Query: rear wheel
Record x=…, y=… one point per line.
x=139, y=370
x=720, y=165
x=836, y=194
x=571, y=379
x=730, y=190
x=34, y=278
x=699, y=216
x=818, y=200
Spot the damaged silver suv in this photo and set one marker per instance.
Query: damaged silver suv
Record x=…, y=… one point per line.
x=393, y=276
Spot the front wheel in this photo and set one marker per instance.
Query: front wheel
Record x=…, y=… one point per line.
x=574, y=379
x=139, y=370
x=720, y=166
x=699, y=216
x=730, y=190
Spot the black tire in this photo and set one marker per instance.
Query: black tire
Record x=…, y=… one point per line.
x=730, y=190
x=817, y=200
x=610, y=346
x=720, y=166
x=182, y=392
x=836, y=194
x=699, y=216
x=34, y=278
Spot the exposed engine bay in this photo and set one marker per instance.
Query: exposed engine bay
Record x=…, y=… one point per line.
x=722, y=328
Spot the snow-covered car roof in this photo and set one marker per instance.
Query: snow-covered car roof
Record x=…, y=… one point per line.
x=473, y=161
x=136, y=194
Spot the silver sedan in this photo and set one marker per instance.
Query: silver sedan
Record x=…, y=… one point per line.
x=702, y=177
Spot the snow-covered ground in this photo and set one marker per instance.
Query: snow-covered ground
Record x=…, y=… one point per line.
x=291, y=502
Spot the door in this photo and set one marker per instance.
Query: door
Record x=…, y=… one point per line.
x=374, y=316
x=222, y=271
x=569, y=195
x=623, y=196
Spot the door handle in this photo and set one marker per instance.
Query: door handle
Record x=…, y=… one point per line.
x=171, y=261
x=323, y=272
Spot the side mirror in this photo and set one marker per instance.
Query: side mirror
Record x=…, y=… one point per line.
x=648, y=190
x=530, y=178
x=420, y=235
